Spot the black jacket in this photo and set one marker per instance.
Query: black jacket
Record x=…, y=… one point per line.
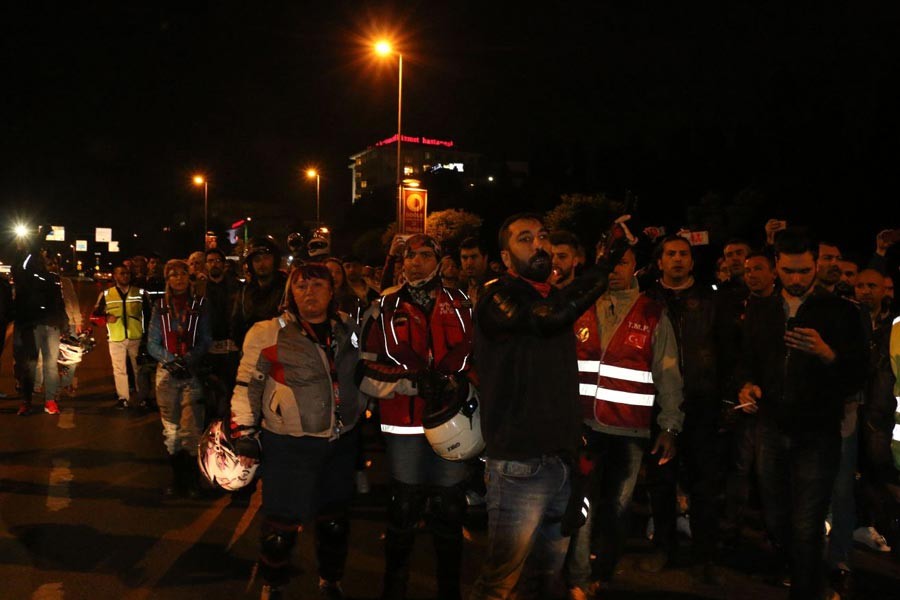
x=694, y=316
x=254, y=304
x=527, y=367
x=799, y=391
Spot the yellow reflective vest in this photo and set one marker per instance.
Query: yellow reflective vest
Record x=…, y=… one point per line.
x=129, y=313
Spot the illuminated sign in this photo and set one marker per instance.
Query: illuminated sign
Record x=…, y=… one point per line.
x=448, y=167
x=113, y=246
x=416, y=140
x=57, y=234
x=80, y=245
x=102, y=234
x=413, y=210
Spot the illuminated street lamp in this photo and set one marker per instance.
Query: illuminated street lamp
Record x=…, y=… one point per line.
x=384, y=48
x=311, y=173
x=21, y=230
x=198, y=181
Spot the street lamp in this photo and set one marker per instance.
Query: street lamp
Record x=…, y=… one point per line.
x=384, y=48
x=310, y=173
x=198, y=181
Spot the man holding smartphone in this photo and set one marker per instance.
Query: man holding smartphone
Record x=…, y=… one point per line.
x=796, y=379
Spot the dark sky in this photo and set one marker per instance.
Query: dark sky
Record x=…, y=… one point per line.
x=108, y=107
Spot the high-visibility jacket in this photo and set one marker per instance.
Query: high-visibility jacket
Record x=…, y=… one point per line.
x=128, y=310
x=616, y=385
x=400, y=341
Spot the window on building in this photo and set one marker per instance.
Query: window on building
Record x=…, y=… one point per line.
x=408, y=170
x=363, y=183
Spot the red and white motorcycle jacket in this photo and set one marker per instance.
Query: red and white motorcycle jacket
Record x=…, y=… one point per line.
x=616, y=385
x=400, y=341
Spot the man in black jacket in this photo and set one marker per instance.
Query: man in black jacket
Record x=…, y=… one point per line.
x=528, y=370
x=803, y=352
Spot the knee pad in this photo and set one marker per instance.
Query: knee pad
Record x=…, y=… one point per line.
x=278, y=538
x=406, y=506
x=448, y=505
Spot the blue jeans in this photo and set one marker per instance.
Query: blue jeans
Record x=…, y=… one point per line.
x=843, y=503
x=617, y=462
x=796, y=475
x=414, y=462
x=525, y=502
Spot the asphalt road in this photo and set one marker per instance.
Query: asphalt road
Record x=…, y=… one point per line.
x=82, y=516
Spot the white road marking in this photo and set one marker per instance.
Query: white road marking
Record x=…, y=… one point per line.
x=247, y=517
x=58, y=493
x=166, y=552
x=49, y=591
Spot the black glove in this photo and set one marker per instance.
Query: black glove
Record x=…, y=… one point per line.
x=612, y=253
x=431, y=384
x=178, y=368
x=247, y=445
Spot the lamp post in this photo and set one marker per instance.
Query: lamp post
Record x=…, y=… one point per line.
x=384, y=48
x=310, y=173
x=198, y=181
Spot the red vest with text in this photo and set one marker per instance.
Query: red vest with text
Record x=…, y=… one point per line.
x=616, y=387
x=406, y=339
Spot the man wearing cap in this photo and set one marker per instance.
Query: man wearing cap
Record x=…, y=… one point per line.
x=417, y=336
x=353, y=267
x=260, y=297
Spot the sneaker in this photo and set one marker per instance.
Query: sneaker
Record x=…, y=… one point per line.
x=683, y=525
x=827, y=528
x=271, y=592
x=362, y=483
x=121, y=404
x=50, y=407
x=870, y=537
x=330, y=590
x=24, y=409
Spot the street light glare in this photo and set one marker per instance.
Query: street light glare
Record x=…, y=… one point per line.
x=199, y=180
x=311, y=173
x=21, y=230
x=383, y=48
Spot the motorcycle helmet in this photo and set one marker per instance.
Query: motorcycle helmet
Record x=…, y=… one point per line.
x=219, y=462
x=261, y=245
x=70, y=350
x=454, y=430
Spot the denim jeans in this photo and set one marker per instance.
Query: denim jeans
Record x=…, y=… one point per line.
x=843, y=503
x=739, y=474
x=617, y=462
x=414, y=462
x=796, y=476
x=180, y=410
x=526, y=500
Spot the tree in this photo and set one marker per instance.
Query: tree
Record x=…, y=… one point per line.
x=585, y=215
x=450, y=227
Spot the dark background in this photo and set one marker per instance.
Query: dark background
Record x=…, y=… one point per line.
x=109, y=107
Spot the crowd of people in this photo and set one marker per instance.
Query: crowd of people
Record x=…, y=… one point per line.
x=586, y=365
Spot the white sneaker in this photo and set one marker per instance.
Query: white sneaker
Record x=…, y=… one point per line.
x=870, y=537
x=683, y=525
x=827, y=527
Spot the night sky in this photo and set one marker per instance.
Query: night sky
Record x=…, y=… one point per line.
x=109, y=107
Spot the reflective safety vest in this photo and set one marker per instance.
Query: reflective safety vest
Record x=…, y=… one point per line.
x=400, y=337
x=616, y=386
x=181, y=337
x=129, y=313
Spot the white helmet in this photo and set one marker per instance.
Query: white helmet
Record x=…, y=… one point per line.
x=219, y=462
x=70, y=350
x=454, y=431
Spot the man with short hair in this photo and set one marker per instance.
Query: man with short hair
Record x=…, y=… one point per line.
x=849, y=271
x=527, y=367
x=260, y=297
x=353, y=267
x=125, y=310
x=473, y=260
x=803, y=353
x=735, y=253
x=828, y=268
x=223, y=355
x=567, y=255
x=759, y=274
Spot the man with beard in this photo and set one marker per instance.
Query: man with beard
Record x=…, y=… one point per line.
x=566, y=255
x=628, y=367
x=527, y=368
x=803, y=353
x=828, y=265
x=260, y=297
x=417, y=337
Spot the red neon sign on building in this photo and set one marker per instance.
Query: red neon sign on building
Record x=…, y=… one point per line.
x=416, y=140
